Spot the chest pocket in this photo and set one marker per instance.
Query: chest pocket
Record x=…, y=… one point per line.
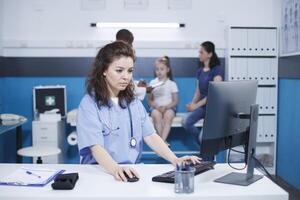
x=115, y=131
x=109, y=125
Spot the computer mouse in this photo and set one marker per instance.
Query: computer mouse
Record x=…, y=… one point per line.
x=133, y=179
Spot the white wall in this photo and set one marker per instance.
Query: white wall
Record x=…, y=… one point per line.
x=62, y=28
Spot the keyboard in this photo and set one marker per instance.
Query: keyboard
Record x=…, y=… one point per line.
x=169, y=177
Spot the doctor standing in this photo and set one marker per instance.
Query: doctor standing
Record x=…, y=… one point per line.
x=111, y=123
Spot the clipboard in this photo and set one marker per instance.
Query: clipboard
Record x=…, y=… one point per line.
x=157, y=84
x=37, y=177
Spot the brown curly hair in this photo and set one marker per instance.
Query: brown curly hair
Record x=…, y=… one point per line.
x=165, y=60
x=96, y=85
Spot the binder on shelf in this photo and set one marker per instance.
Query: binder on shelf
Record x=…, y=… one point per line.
x=269, y=98
x=239, y=43
x=262, y=42
x=273, y=41
x=268, y=124
x=231, y=70
x=266, y=71
x=256, y=70
x=256, y=40
x=261, y=71
x=267, y=48
x=269, y=71
x=239, y=69
x=272, y=128
x=266, y=100
x=235, y=41
x=273, y=101
x=263, y=129
x=259, y=100
x=259, y=130
x=244, y=42
x=235, y=70
x=273, y=71
x=251, y=70
x=243, y=68
x=267, y=127
x=253, y=42
x=268, y=41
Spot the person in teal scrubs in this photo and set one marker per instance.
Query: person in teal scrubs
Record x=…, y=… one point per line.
x=112, y=123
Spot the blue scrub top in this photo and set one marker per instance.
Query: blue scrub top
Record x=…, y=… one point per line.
x=205, y=77
x=110, y=128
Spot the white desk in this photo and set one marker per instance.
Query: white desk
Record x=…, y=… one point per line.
x=93, y=183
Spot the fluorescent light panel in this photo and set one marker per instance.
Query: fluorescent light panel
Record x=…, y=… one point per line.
x=136, y=25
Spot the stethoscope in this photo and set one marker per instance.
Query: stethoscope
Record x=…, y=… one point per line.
x=133, y=141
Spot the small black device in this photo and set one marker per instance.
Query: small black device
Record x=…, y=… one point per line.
x=133, y=179
x=169, y=177
x=65, y=181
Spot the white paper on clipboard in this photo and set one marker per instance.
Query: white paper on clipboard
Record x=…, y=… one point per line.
x=160, y=83
x=36, y=177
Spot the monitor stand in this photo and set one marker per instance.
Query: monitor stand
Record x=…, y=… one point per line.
x=248, y=178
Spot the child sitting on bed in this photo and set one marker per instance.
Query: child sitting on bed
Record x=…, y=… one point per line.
x=163, y=98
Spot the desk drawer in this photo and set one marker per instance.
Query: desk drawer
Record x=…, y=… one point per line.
x=44, y=132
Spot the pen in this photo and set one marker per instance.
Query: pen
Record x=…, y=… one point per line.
x=177, y=167
x=188, y=167
x=33, y=174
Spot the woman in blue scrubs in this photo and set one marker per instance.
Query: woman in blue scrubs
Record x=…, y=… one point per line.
x=210, y=71
x=111, y=123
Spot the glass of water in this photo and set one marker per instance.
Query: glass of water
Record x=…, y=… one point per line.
x=184, y=180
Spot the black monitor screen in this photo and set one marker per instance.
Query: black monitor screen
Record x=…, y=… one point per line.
x=50, y=98
x=221, y=129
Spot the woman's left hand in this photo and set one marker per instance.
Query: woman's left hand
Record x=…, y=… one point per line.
x=191, y=107
x=186, y=159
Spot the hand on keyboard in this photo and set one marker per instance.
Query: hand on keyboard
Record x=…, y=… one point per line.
x=169, y=177
x=187, y=159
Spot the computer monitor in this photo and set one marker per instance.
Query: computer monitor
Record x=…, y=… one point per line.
x=230, y=121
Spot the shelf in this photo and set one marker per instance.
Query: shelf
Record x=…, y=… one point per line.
x=290, y=54
x=253, y=55
x=252, y=27
x=256, y=56
x=263, y=142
